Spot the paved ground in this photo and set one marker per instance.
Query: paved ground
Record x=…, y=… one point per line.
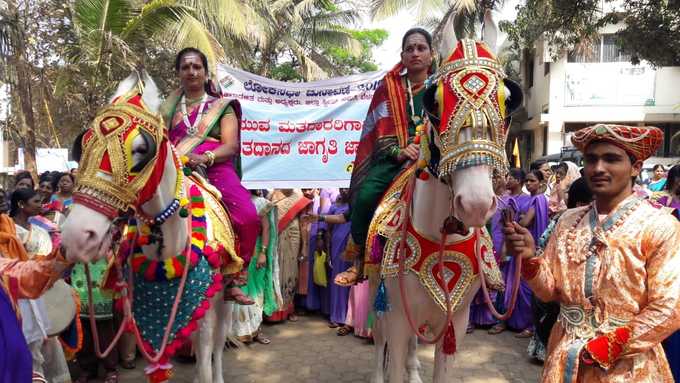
x=308, y=351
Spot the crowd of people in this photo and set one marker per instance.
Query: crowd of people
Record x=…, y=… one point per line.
x=297, y=244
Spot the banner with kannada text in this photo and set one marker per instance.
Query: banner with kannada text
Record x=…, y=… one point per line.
x=299, y=135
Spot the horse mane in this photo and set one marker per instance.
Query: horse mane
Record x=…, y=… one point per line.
x=151, y=95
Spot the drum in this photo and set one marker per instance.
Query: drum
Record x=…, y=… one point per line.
x=60, y=304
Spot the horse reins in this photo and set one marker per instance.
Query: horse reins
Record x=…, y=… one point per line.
x=127, y=309
x=407, y=199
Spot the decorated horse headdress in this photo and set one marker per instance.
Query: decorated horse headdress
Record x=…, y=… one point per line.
x=471, y=93
x=114, y=174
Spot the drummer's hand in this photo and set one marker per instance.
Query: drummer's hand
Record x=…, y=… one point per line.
x=519, y=241
x=411, y=152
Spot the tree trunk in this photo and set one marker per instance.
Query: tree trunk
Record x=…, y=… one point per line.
x=21, y=88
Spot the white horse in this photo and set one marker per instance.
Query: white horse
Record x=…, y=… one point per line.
x=455, y=190
x=102, y=194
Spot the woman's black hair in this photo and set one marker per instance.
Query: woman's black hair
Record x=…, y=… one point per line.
x=20, y=195
x=23, y=175
x=579, y=192
x=658, y=166
x=210, y=88
x=45, y=177
x=538, y=174
x=518, y=174
x=66, y=174
x=673, y=174
x=426, y=34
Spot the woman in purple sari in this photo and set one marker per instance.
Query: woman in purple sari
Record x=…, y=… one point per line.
x=205, y=127
x=480, y=315
x=339, y=295
x=532, y=213
x=672, y=344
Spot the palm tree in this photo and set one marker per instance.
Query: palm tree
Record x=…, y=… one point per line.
x=463, y=16
x=114, y=32
x=17, y=72
x=303, y=28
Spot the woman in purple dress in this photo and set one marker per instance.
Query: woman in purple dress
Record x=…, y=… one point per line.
x=672, y=344
x=318, y=297
x=480, y=315
x=205, y=127
x=532, y=213
x=339, y=235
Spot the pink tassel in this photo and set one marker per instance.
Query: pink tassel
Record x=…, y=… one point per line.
x=185, y=332
x=449, y=344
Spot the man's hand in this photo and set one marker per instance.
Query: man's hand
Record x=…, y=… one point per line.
x=411, y=152
x=519, y=241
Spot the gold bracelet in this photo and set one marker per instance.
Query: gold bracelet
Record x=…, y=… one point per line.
x=211, y=157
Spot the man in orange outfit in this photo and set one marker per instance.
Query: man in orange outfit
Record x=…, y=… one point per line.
x=613, y=266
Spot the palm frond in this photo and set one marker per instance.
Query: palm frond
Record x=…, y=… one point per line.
x=226, y=17
x=154, y=17
x=382, y=9
x=310, y=69
x=190, y=32
x=99, y=23
x=427, y=8
x=464, y=5
x=341, y=17
x=339, y=38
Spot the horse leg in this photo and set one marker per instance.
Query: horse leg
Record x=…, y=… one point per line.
x=204, y=346
x=443, y=363
x=398, y=335
x=412, y=362
x=220, y=337
x=380, y=350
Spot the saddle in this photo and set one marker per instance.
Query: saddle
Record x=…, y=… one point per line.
x=220, y=221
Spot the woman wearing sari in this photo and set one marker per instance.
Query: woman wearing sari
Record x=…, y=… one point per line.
x=672, y=200
x=245, y=320
x=566, y=173
x=387, y=138
x=48, y=356
x=658, y=181
x=205, y=128
x=532, y=212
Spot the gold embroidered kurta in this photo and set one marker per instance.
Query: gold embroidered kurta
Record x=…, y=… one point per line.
x=632, y=278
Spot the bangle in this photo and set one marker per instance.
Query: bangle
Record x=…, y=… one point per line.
x=394, y=151
x=211, y=157
x=322, y=218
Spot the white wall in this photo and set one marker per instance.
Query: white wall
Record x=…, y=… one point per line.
x=550, y=91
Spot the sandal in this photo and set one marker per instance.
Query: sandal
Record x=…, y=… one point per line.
x=333, y=325
x=344, y=330
x=111, y=377
x=128, y=364
x=293, y=318
x=236, y=294
x=497, y=329
x=347, y=278
x=526, y=333
x=261, y=339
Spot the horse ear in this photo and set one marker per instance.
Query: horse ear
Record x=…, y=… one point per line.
x=515, y=99
x=77, y=149
x=490, y=31
x=126, y=86
x=151, y=95
x=449, y=39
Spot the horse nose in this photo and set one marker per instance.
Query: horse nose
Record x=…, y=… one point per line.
x=472, y=210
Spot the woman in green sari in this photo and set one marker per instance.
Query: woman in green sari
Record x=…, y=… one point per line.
x=245, y=320
x=387, y=138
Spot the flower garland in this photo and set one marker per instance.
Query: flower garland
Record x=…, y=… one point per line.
x=164, y=270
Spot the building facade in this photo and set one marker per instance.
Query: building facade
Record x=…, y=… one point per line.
x=596, y=84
